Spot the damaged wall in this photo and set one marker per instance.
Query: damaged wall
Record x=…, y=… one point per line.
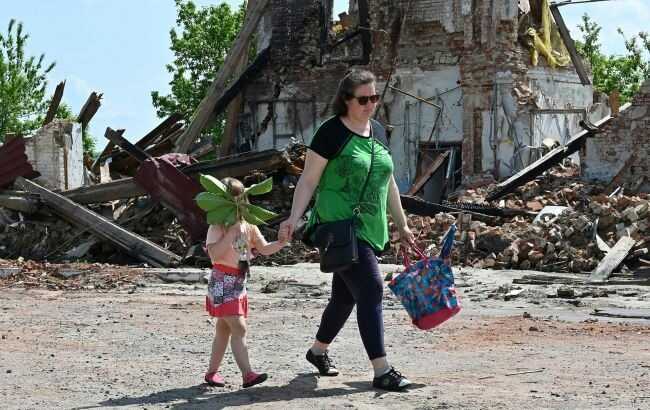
x=623, y=148
x=56, y=152
x=463, y=55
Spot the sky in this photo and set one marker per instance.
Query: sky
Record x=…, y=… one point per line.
x=120, y=48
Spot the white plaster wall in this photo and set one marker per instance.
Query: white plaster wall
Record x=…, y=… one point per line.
x=46, y=149
x=413, y=121
x=517, y=133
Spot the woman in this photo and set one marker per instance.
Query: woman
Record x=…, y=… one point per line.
x=337, y=163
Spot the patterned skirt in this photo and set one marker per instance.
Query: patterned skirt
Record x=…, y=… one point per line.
x=226, y=292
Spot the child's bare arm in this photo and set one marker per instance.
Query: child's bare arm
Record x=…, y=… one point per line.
x=266, y=248
x=220, y=240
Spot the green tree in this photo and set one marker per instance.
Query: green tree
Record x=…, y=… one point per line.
x=624, y=73
x=22, y=83
x=206, y=35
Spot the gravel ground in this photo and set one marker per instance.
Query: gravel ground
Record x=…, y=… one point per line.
x=147, y=346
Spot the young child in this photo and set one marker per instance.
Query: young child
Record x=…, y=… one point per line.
x=230, y=249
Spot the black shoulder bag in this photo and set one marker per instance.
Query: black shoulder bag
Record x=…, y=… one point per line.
x=337, y=241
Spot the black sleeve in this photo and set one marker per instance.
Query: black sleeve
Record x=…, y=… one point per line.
x=379, y=132
x=329, y=138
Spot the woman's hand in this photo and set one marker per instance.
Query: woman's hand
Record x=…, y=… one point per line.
x=406, y=237
x=285, y=233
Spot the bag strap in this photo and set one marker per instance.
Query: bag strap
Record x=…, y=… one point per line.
x=357, y=208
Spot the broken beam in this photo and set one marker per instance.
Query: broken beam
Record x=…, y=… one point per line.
x=611, y=261
x=236, y=166
x=570, y=45
x=54, y=103
x=129, y=242
x=117, y=139
x=89, y=109
x=21, y=203
x=419, y=183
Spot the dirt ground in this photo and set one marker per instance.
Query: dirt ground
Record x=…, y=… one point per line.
x=147, y=346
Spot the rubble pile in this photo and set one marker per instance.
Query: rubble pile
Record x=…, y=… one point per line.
x=564, y=241
x=72, y=276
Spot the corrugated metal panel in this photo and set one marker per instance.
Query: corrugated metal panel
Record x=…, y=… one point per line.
x=14, y=162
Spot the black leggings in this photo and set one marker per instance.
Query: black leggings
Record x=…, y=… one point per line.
x=361, y=285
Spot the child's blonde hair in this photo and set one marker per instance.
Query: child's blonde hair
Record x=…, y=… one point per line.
x=235, y=188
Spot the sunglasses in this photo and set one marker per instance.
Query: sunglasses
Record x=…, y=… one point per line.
x=363, y=100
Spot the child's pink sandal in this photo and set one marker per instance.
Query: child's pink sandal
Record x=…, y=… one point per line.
x=215, y=379
x=252, y=378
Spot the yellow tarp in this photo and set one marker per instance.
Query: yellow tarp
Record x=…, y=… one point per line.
x=546, y=40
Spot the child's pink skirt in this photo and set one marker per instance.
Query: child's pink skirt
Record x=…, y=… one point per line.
x=227, y=294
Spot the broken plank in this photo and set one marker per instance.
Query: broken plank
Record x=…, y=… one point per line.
x=550, y=279
x=54, y=103
x=216, y=90
x=129, y=242
x=24, y=204
x=89, y=109
x=576, y=59
x=119, y=140
x=613, y=258
x=110, y=191
x=623, y=313
x=419, y=183
x=237, y=166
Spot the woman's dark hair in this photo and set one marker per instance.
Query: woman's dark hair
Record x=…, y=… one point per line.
x=353, y=79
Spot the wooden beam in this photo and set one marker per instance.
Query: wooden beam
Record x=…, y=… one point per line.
x=236, y=166
x=117, y=139
x=169, y=123
x=428, y=173
x=216, y=90
x=54, y=103
x=129, y=242
x=110, y=191
x=611, y=261
x=21, y=203
x=623, y=313
x=570, y=45
x=89, y=109
x=236, y=86
x=235, y=106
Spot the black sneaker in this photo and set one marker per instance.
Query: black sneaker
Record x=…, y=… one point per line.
x=323, y=363
x=391, y=381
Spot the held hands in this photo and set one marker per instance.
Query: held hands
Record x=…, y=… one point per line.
x=285, y=233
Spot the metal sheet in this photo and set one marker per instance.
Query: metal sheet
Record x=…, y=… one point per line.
x=14, y=162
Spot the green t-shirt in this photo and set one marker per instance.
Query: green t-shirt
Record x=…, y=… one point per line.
x=349, y=157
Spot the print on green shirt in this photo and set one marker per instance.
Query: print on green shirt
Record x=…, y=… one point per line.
x=341, y=184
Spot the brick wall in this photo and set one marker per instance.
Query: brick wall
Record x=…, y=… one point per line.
x=479, y=37
x=609, y=153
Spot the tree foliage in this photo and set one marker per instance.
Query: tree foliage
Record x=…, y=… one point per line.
x=22, y=84
x=200, y=46
x=624, y=73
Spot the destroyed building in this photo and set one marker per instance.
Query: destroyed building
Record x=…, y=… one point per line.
x=498, y=93
x=620, y=152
